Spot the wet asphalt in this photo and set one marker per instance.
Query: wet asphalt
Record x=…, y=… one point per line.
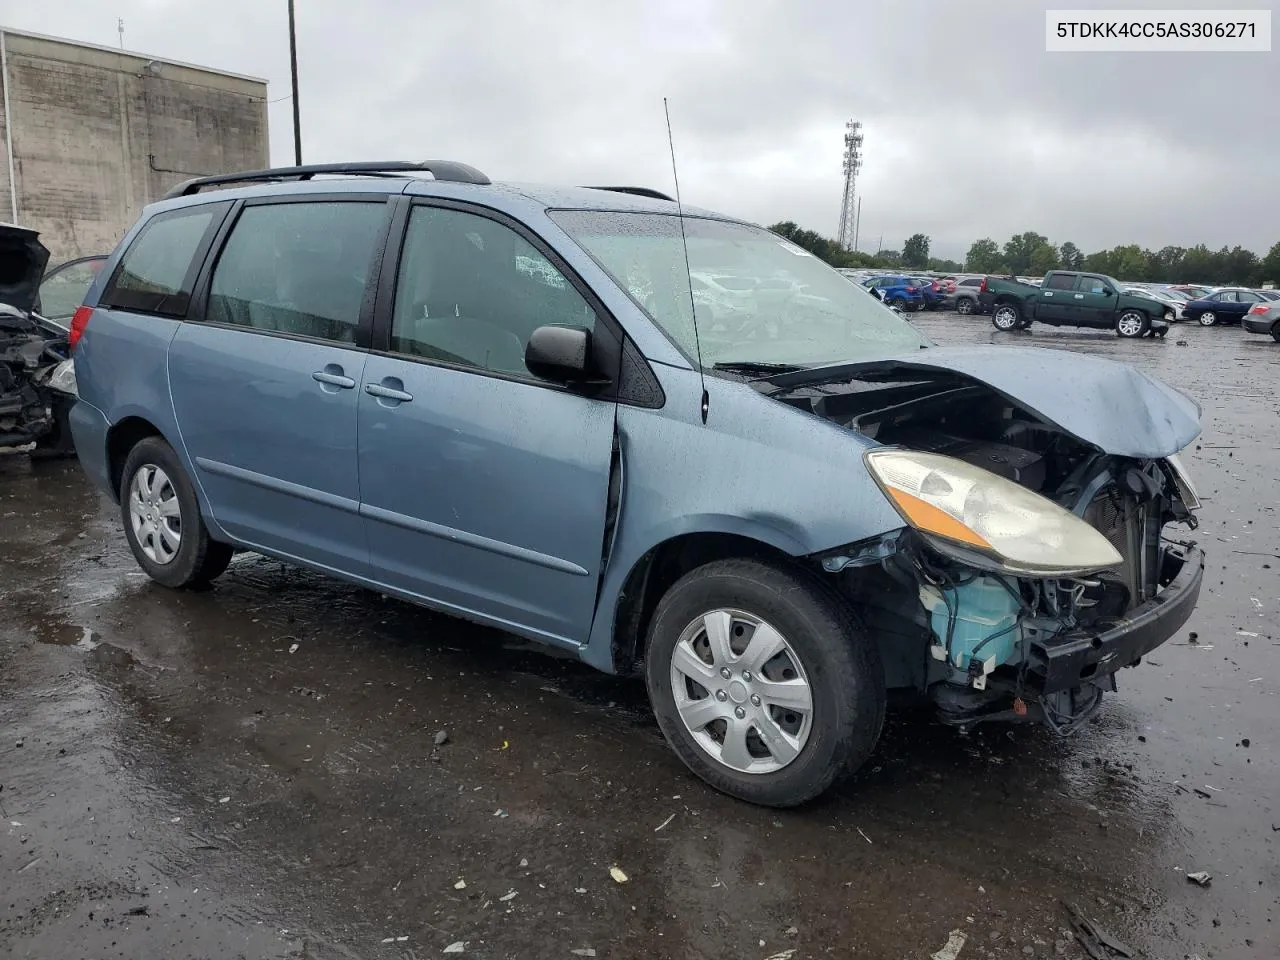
x=253, y=771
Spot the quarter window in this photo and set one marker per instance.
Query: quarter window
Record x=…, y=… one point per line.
x=158, y=270
x=297, y=268
x=471, y=292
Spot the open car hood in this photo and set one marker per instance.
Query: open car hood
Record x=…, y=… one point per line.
x=1100, y=402
x=22, y=261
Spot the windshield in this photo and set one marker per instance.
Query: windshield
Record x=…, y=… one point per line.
x=759, y=299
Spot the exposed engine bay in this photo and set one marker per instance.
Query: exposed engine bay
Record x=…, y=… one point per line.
x=37, y=376
x=981, y=641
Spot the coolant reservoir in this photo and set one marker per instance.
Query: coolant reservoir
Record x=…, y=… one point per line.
x=986, y=623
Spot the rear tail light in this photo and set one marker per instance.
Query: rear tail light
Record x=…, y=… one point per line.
x=982, y=287
x=911, y=289
x=79, y=320
x=1260, y=308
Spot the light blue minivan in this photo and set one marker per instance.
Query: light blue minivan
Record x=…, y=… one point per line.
x=669, y=441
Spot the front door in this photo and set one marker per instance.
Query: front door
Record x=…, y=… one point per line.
x=484, y=489
x=1095, y=302
x=265, y=388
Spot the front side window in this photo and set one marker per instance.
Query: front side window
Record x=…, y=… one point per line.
x=790, y=308
x=297, y=268
x=158, y=270
x=471, y=291
x=1093, y=285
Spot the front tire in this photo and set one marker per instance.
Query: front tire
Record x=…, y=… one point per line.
x=1132, y=324
x=763, y=682
x=162, y=519
x=1006, y=316
x=1207, y=319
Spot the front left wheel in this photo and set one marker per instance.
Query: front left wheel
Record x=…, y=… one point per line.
x=162, y=519
x=1132, y=324
x=763, y=682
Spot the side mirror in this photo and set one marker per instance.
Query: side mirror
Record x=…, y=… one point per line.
x=561, y=355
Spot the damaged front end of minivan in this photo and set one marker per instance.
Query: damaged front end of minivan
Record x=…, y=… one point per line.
x=1042, y=498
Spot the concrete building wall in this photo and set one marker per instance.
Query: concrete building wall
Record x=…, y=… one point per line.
x=96, y=134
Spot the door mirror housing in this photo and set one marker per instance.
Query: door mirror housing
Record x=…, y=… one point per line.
x=561, y=354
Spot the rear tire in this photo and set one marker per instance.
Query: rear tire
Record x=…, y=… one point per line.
x=162, y=519
x=1006, y=316
x=965, y=307
x=1275, y=334
x=1207, y=319
x=821, y=649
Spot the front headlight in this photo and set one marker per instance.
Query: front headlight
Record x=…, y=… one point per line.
x=953, y=502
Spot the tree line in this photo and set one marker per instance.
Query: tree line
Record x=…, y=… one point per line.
x=1032, y=254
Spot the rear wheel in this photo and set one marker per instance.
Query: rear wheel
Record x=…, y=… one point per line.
x=162, y=519
x=1275, y=334
x=964, y=307
x=1132, y=324
x=1207, y=319
x=1006, y=316
x=762, y=681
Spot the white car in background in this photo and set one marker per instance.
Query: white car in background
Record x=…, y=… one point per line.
x=1163, y=297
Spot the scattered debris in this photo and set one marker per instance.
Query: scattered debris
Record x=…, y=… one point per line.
x=456, y=947
x=583, y=952
x=791, y=931
x=1097, y=942
x=1193, y=637
x=951, y=949
x=394, y=939
x=524, y=862
x=863, y=835
x=579, y=889
x=441, y=738
x=664, y=823
x=618, y=875
x=1200, y=878
x=1245, y=633
x=143, y=911
x=508, y=896
x=293, y=648
x=501, y=813
x=225, y=800
x=784, y=955
x=460, y=885
x=1203, y=793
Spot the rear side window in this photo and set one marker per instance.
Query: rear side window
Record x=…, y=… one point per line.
x=1061, y=281
x=158, y=270
x=297, y=268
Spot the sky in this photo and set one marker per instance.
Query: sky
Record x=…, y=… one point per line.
x=971, y=128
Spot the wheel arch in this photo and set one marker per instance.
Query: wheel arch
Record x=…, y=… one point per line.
x=621, y=628
x=123, y=436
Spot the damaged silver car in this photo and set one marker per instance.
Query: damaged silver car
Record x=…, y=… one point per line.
x=37, y=376
x=669, y=442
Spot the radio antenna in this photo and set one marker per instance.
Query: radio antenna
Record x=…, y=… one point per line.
x=688, y=273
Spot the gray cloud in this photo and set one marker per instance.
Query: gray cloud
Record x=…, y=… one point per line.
x=972, y=128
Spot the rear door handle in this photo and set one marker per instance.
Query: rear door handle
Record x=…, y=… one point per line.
x=332, y=379
x=384, y=392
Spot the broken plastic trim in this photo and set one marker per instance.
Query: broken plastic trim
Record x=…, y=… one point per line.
x=865, y=553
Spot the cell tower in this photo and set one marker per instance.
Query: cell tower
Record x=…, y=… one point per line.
x=852, y=164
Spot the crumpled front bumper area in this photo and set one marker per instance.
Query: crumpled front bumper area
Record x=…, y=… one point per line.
x=1086, y=655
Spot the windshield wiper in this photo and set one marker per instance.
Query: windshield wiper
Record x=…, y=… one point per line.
x=761, y=367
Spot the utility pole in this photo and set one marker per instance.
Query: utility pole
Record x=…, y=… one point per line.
x=293, y=69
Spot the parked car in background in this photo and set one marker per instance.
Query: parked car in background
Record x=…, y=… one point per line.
x=1066, y=298
x=967, y=297
x=1270, y=294
x=899, y=291
x=495, y=401
x=1264, y=318
x=1227, y=305
x=1159, y=296
x=933, y=292
x=1194, y=291
x=37, y=376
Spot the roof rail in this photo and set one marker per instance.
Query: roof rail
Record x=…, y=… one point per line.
x=638, y=192
x=448, y=170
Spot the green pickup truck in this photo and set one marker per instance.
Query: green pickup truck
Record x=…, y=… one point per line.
x=1070, y=298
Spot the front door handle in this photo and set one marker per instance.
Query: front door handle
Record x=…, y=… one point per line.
x=1079, y=296
x=333, y=376
x=388, y=390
